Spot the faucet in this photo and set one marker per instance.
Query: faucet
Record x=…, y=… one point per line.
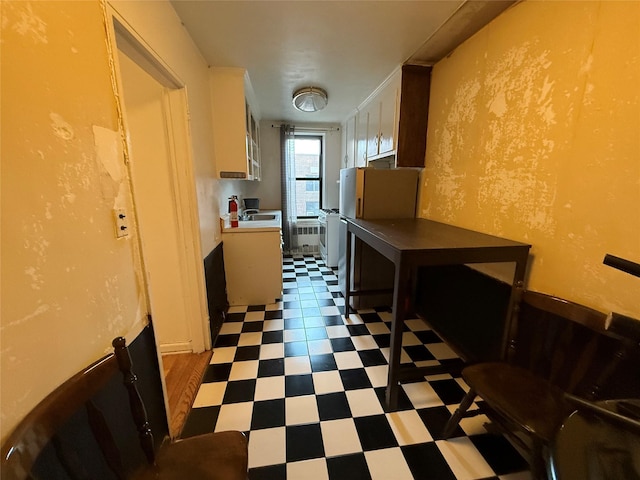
x=247, y=212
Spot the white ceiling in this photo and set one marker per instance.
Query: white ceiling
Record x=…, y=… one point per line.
x=346, y=47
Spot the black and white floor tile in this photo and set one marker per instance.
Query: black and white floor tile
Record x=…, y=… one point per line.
x=307, y=386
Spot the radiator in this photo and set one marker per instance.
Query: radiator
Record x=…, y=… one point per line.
x=307, y=237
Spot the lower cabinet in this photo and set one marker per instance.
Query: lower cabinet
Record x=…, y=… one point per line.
x=253, y=267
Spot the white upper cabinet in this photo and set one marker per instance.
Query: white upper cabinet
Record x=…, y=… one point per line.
x=236, y=131
x=349, y=142
x=389, y=112
x=383, y=119
x=362, y=121
x=372, y=113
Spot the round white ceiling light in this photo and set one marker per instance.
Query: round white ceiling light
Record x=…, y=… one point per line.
x=310, y=99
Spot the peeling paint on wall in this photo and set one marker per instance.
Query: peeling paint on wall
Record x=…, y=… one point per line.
x=37, y=245
x=546, y=149
x=36, y=278
x=460, y=116
x=47, y=212
x=74, y=176
x=25, y=22
x=516, y=177
x=34, y=241
x=71, y=37
x=61, y=128
x=37, y=312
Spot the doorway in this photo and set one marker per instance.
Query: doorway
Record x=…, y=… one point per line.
x=155, y=118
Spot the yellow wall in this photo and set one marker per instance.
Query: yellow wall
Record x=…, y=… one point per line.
x=68, y=285
x=534, y=134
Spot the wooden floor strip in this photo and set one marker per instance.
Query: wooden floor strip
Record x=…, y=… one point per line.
x=183, y=376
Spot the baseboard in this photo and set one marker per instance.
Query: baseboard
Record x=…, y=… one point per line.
x=176, y=347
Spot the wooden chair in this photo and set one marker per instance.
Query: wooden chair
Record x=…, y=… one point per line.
x=558, y=349
x=92, y=427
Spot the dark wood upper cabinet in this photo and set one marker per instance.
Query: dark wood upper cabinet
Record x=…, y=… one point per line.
x=414, y=114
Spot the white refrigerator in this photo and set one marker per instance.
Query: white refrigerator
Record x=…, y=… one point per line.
x=369, y=194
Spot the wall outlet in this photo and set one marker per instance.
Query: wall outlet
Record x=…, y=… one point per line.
x=121, y=222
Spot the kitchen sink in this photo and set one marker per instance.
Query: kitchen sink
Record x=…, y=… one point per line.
x=260, y=216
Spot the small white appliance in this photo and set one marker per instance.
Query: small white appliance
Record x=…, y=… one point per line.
x=328, y=220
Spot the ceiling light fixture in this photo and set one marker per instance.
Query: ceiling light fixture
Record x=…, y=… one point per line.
x=310, y=99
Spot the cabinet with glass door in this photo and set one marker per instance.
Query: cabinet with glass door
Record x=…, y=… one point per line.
x=253, y=146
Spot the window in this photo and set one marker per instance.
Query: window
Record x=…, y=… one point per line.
x=308, y=162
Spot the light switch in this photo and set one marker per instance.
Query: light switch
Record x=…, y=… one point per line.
x=121, y=222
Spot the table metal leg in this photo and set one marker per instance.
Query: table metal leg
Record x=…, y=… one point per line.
x=401, y=292
x=347, y=275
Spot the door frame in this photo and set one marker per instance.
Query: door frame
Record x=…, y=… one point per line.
x=122, y=37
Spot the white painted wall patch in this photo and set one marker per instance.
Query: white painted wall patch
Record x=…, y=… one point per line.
x=108, y=148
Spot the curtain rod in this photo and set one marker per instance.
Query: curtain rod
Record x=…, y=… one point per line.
x=309, y=129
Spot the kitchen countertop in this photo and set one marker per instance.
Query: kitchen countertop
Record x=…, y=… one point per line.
x=253, y=225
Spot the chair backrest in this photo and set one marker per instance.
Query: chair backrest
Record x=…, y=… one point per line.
x=569, y=345
x=41, y=436
x=91, y=426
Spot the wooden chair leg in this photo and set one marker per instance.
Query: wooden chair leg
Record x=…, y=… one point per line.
x=458, y=414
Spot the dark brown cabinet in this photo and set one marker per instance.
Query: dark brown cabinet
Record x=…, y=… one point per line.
x=414, y=114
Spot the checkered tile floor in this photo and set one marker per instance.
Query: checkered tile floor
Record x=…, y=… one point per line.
x=307, y=386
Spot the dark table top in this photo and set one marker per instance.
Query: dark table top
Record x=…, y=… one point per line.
x=422, y=235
